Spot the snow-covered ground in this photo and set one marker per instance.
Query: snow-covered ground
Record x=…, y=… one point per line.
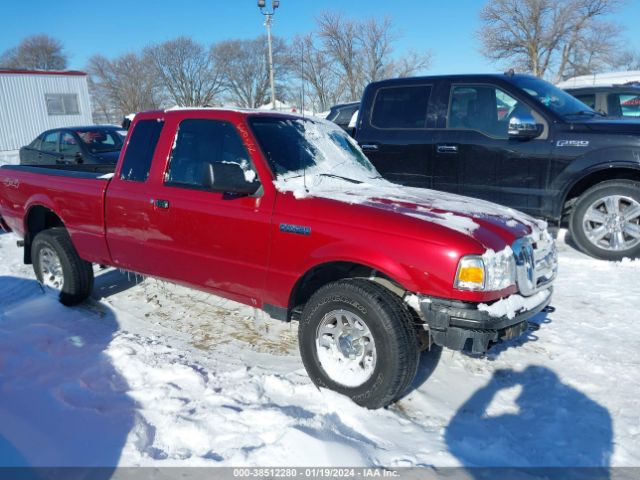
x=152, y=374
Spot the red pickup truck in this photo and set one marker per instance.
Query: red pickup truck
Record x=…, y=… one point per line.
x=286, y=214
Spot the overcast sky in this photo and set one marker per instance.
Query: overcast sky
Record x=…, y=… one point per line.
x=447, y=28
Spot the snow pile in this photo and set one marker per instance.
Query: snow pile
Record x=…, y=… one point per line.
x=513, y=304
x=152, y=374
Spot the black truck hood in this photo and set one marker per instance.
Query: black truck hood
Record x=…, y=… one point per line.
x=621, y=126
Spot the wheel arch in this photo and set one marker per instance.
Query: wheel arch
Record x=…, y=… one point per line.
x=37, y=219
x=591, y=179
x=327, y=272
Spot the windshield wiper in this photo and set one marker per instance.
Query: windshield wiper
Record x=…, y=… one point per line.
x=583, y=112
x=340, y=177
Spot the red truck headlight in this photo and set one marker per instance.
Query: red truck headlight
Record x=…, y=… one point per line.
x=489, y=272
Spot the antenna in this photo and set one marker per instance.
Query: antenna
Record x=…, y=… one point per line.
x=302, y=74
x=304, y=167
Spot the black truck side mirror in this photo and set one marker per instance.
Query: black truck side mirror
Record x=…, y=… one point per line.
x=524, y=127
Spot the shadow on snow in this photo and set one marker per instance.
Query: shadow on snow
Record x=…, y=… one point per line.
x=531, y=418
x=62, y=403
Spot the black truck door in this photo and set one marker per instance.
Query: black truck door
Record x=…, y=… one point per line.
x=474, y=155
x=396, y=133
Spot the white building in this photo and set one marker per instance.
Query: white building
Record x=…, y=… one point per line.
x=34, y=101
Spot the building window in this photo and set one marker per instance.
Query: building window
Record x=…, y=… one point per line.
x=62, y=104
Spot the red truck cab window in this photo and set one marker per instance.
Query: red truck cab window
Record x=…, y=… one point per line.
x=203, y=142
x=139, y=153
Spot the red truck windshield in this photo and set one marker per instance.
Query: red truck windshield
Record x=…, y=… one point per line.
x=296, y=144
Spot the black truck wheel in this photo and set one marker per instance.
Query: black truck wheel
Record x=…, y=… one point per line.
x=59, y=268
x=358, y=339
x=605, y=222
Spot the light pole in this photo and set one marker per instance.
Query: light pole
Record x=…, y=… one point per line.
x=269, y=14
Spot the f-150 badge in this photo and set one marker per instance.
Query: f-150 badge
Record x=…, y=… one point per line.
x=572, y=143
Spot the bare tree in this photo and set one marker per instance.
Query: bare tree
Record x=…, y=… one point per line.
x=593, y=52
x=361, y=51
x=38, y=52
x=628, y=60
x=244, y=69
x=590, y=42
x=376, y=39
x=315, y=68
x=538, y=35
x=340, y=37
x=121, y=86
x=186, y=71
x=411, y=63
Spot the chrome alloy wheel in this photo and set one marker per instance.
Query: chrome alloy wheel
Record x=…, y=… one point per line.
x=50, y=269
x=346, y=349
x=613, y=223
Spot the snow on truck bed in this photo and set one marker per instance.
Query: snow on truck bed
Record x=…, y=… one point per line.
x=147, y=373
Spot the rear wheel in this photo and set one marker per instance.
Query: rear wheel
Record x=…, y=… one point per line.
x=59, y=268
x=605, y=222
x=358, y=339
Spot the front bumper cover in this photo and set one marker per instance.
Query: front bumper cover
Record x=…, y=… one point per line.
x=461, y=326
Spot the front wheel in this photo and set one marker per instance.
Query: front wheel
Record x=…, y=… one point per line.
x=358, y=339
x=605, y=222
x=59, y=268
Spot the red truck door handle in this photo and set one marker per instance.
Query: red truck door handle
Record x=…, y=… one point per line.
x=161, y=203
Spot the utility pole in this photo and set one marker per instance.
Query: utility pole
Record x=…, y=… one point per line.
x=269, y=14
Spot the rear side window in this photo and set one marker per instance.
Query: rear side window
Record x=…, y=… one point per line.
x=68, y=144
x=588, y=99
x=201, y=143
x=401, y=107
x=142, y=143
x=629, y=104
x=345, y=114
x=50, y=142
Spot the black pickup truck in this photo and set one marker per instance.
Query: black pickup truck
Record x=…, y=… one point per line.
x=511, y=139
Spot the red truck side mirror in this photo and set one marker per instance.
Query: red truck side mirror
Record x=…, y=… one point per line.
x=228, y=178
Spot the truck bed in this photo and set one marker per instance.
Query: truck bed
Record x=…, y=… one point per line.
x=76, y=170
x=76, y=195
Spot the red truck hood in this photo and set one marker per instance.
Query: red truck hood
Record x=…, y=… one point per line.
x=481, y=220
x=492, y=225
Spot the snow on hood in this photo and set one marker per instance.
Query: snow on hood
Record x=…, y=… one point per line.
x=343, y=173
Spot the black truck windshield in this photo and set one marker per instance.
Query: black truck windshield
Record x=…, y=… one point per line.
x=295, y=145
x=559, y=101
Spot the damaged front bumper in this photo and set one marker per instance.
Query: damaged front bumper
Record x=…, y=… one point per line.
x=463, y=326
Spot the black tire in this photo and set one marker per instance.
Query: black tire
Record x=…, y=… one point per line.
x=77, y=273
x=626, y=188
x=391, y=326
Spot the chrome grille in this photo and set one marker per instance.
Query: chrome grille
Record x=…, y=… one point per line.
x=536, y=262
